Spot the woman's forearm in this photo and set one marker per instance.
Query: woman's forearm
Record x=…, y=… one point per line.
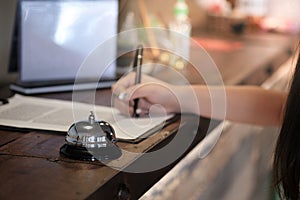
x=246, y=104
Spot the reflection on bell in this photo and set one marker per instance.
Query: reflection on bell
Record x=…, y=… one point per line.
x=91, y=140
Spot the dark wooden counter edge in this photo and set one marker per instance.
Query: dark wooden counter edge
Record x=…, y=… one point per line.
x=133, y=185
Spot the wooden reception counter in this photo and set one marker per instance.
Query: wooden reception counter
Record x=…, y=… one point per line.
x=32, y=168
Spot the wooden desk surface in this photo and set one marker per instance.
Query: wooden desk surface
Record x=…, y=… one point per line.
x=31, y=167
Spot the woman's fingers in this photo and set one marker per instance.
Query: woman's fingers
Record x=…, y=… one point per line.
x=123, y=107
x=143, y=105
x=125, y=91
x=128, y=81
x=126, y=107
x=123, y=83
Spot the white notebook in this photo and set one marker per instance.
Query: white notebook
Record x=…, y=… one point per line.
x=58, y=115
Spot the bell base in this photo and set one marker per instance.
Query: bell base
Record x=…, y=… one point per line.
x=92, y=154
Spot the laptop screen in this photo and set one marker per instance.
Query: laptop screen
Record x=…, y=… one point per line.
x=57, y=36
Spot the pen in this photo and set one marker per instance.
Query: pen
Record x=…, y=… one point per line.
x=137, y=67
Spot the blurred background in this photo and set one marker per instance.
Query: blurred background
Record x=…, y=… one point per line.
x=222, y=17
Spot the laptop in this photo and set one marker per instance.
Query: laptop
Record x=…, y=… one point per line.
x=62, y=42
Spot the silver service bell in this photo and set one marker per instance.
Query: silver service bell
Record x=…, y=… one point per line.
x=91, y=133
x=91, y=140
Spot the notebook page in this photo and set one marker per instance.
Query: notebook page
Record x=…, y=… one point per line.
x=59, y=115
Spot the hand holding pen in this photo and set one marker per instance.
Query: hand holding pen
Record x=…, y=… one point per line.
x=142, y=98
x=126, y=92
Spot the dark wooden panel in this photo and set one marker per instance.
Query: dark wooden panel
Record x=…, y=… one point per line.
x=136, y=182
x=25, y=177
x=7, y=137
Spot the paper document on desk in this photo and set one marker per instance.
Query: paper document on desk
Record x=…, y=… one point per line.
x=59, y=115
